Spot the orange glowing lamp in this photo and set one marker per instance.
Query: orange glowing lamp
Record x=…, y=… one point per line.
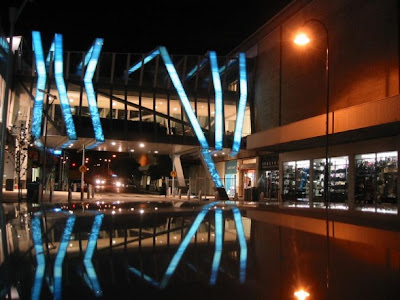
x=301, y=295
x=301, y=39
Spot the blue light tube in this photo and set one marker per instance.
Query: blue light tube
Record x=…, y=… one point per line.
x=217, y=101
x=184, y=244
x=87, y=259
x=50, y=54
x=218, y=246
x=85, y=62
x=139, y=64
x=40, y=259
x=211, y=167
x=91, y=96
x=242, y=242
x=144, y=276
x=198, y=67
x=242, y=105
x=40, y=85
x=184, y=98
x=62, y=90
x=62, y=250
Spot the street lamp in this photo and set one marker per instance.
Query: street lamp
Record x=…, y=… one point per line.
x=302, y=39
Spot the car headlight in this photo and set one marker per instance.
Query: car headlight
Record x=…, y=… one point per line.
x=118, y=184
x=97, y=181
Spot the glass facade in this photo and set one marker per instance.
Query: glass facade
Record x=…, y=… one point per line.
x=136, y=98
x=376, y=179
x=296, y=181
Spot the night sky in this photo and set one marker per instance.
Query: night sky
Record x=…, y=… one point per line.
x=183, y=27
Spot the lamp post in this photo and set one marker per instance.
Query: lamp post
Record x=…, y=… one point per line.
x=303, y=39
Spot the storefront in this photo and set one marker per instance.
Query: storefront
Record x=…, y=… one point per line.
x=268, y=182
x=231, y=177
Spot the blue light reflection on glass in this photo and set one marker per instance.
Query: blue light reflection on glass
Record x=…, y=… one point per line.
x=87, y=259
x=218, y=246
x=218, y=100
x=91, y=96
x=40, y=85
x=144, y=276
x=207, y=158
x=62, y=90
x=242, y=242
x=241, y=106
x=173, y=74
x=200, y=66
x=62, y=250
x=40, y=259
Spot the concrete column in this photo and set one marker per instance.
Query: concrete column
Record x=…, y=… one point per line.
x=179, y=170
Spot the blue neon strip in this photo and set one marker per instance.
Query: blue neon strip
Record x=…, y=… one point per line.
x=218, y=246
x=139, y=64
x=62, y=90
x=182, y=95
x=184, y=244
x=50, y=54
x=211, y=168
x=91, y=96
x=242, y=242
x=40, y=260
x=197, y=68
x=62, y=250
x=218, y=100
x=87, y=259
x=40, y=84
x=242, y=105
x=86, y=61
x=94, y=145
x=144, y=276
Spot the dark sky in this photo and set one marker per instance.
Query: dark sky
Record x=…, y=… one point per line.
x=184, y=27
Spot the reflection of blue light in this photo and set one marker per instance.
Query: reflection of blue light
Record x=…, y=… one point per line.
x=173, y=74
x=62, y=90
x=62, y=250
x=87, y=260
x=94, y=145
x=197, y=68
x=40, y=260
x=50, y=55
x=218, y=247
x=57, y=209
x=211, y=167
x=57, y=151
x=41, y=84
x=241, y=106
x=66, y=144
x=218, y=100
x=145, y=61
x=144, y=276
x=242, y=242
x=91, y=96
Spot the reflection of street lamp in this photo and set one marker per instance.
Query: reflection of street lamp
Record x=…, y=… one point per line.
x=303, y=39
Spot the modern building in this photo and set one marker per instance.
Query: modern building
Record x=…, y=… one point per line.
x=349, y=70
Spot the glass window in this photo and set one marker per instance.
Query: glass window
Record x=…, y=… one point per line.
x=296, y=180
x=376, y=178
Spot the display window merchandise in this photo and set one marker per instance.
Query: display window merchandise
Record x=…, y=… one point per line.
x=296, y=181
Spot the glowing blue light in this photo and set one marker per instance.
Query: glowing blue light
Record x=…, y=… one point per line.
x=40, y=85
x=218, y=100
x=50, y=55
x=144, y=276
x=218, y=247
x=87, y=259
x=242, y=242
x=86, y=61
x=207, y=158
x=173, y=74
x=66, y=144
x=40, y=259
x=94, y=145
x=57, y=209
x=62, y=90
x=56, y=151
x=200, y=66
x=139, y=64
x=237, y=137
x=62, y=250
x=91, y=96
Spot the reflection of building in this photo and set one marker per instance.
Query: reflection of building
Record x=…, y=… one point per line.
x=290, y=94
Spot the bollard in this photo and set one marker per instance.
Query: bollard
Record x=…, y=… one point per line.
x=188, y=195
x=88, y=192
x=236, y=198
x=179, y=193
x=200, y=195
x=92, y=192
x=216, y=196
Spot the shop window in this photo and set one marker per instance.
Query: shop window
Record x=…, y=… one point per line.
x=296, y=180
x=338, y=179
x=376, y=178
x=269, y=184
